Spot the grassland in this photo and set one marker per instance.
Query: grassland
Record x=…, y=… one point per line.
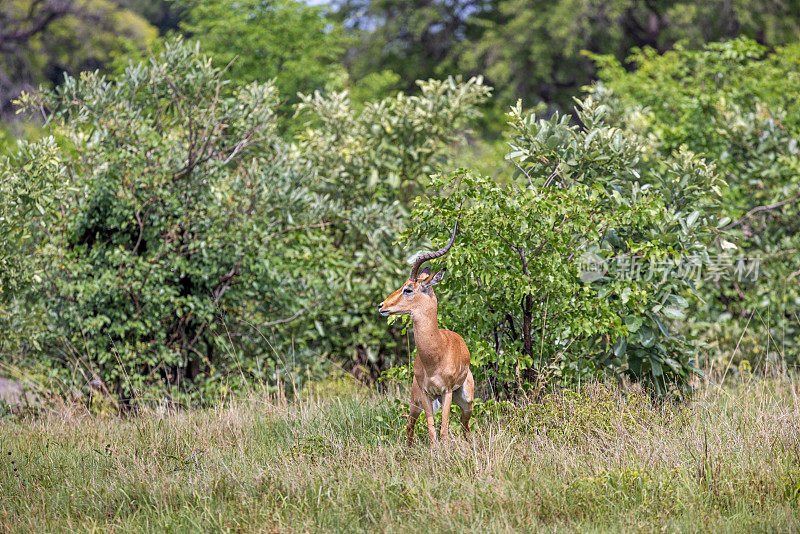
x=595, y=460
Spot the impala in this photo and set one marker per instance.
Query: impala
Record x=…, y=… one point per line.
x=441, y=368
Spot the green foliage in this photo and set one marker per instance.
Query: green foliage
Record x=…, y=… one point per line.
x=41, y=41
x=28, y=185
x=365, y=166
x=185, y=227
x=416, y=39
x=374, y=85
x=382, y=151
x=161, y=207
x=286, y=41
x=163, y=14
x=535, y=51
x=165, y=236
x=515, y=288
x=735, y=103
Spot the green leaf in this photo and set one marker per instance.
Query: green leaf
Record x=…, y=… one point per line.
x=633, y=323
x=619, y=347
x=656, y=369
x=675, y=366
x=625, y=295
x=672, y=312
x=646, y=336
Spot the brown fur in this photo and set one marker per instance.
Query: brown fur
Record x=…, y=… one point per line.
x=441, y=368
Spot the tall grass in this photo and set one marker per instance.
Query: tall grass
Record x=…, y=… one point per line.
x=334, y=460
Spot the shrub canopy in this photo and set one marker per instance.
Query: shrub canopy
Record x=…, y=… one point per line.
x=519, y=285
x=165, y=235
x=736, y=103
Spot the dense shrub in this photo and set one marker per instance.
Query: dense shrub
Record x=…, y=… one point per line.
x=518, y=286
x=366, y=165
x=168, y=195
x=736, y=103
x=165, y=235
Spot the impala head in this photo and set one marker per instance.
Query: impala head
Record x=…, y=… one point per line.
x=417, y=292
x=413, y=295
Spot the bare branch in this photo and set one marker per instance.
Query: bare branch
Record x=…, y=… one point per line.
x=758, y=209
x=36, y=22
x=287, y=320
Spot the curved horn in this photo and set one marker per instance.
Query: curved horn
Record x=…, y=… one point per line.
x=432, y=255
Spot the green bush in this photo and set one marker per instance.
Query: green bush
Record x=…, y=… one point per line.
x=167, y=196
x=165, y=236
x=516, y=286
x=736, y=103
x=365, y=166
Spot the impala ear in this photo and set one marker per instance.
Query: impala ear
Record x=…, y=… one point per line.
x=436, y=278
x=426, y=271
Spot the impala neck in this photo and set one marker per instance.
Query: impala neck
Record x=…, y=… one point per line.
x=427, y=337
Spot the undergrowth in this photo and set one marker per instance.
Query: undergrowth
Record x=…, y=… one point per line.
x=597, y=459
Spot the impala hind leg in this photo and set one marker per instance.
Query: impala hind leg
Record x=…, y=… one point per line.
x=464, y=397
x=413, y=414
x=415, y=408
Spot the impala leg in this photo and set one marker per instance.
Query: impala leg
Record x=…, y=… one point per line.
x=447, y=401
x=427, y=405
x=415, y=409
x=464, y=397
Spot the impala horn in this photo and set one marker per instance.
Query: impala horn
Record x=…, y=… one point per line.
x=422, y=258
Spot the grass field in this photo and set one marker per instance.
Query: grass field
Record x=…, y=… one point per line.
x=597, y=460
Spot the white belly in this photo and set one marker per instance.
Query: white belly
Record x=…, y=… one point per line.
x=436, y=396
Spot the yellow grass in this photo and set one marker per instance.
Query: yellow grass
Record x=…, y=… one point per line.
x=595, y=460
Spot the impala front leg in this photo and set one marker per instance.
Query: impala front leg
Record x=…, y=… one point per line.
x=427, y=405
x=447, y=400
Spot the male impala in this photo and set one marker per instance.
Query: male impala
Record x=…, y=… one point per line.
x=441, y=368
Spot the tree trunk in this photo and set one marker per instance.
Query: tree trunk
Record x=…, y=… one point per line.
x=527, y=318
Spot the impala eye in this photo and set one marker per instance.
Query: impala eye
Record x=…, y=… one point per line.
x=407, y=290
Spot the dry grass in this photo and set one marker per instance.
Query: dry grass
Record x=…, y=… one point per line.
x=597, y=460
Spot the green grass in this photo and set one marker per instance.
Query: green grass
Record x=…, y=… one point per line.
x=597, y=460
